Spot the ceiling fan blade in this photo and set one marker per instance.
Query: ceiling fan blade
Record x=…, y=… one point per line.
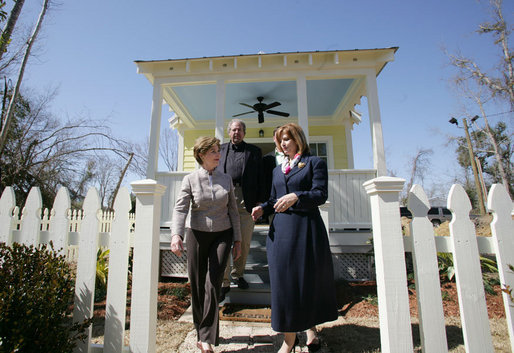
x=260, y=117
x=273, y=105
x=247, y=105
x=243, y=114
x=277, y=113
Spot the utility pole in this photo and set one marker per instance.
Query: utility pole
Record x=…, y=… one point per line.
x=478, y=185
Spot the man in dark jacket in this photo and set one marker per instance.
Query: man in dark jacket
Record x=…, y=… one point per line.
x=243, y=162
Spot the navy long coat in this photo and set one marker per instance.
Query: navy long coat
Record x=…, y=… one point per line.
x=299, y=257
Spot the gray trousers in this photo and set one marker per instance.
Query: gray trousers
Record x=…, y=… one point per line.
x=207, y=256
x=247, y=226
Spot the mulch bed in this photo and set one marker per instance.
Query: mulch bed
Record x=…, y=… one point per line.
x=355, y=299
x=359, y=299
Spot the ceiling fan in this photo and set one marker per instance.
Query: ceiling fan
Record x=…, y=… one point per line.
x=262, y=108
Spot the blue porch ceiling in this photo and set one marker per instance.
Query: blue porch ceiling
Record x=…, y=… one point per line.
x=323, y=97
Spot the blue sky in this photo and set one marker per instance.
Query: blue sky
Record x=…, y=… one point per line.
x=88, y=48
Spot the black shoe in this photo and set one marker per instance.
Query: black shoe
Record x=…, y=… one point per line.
x=314, y=346
x=241, y=283
x=223, y=293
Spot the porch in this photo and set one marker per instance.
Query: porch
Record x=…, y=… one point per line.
x=347, y=216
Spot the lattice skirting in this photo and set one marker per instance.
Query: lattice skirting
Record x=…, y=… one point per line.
x=353, y=266
x=172, y=265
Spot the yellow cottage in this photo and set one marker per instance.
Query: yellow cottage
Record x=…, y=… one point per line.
x=318, y=90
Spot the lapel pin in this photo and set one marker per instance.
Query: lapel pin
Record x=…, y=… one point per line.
x=301, y=165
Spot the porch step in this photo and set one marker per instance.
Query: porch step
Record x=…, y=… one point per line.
x=256, y=273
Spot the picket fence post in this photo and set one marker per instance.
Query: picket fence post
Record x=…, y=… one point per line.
x=145, y=276
x=393, y=298
x=31, y=218
x=119, y=247
x=7, y=205
x=468, y=275
x=59, y=221
x=502, y=229
x=86, y=265
x=426, y=274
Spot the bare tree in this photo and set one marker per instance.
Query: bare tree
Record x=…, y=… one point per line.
x=482, y=88
x=500, y=84
x=420, y=163
x=168, y=148
x=168, y=151
x=5, y=38
x=43, y=151
x=6, y=122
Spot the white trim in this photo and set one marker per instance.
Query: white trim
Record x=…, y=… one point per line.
x=180, y=154
x=303, y=112
x=220, y=109
x=155, y=128
x=377, y=139
x=348, y=126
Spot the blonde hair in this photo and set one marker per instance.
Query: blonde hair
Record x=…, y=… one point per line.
x=295, y=133
x=202, y=145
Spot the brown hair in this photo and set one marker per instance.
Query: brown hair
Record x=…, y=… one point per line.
x=295, y=133
x=202, y=145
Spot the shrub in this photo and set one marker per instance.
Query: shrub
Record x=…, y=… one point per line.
x=36, y=295
x=102, y=272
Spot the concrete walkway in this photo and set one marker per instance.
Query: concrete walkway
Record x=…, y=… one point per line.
x=239, y=336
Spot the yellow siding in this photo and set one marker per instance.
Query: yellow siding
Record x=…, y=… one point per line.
x=338, y=140
x=337, y=132
x=190, y=137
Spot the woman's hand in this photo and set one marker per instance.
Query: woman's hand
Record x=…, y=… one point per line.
x=177, y=245
x=236, y=250
x=285, y=202
x=257, y=212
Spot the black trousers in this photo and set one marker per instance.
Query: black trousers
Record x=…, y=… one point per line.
x=207, y=256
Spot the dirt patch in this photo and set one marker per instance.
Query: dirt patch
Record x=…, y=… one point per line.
x=359, y=299
x=482, y=226
x=173, y=299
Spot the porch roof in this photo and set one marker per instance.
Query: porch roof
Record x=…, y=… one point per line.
x=335, y=83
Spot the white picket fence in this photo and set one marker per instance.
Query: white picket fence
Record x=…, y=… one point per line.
x=79, y=233
x=463, y=244
x=91, y=229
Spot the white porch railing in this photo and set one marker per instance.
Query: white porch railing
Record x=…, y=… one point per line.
x=349, y=203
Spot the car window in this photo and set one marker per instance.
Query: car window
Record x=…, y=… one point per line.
x=433, y=210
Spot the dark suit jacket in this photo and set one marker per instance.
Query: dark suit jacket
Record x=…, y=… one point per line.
x=269, y=162
x=251, y=181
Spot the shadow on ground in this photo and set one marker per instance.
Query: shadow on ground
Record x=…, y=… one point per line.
x=363, y=339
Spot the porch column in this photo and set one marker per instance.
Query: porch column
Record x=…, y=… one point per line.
x=220, y=109
x=155, y=130
x=393, y=297
x=303, y=115
x=180, y=155
x=375, y=124
x=348, y=126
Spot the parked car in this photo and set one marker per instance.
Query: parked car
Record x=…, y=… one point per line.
x=436, y=215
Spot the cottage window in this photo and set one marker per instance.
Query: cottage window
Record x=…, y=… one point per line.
x=319, y=149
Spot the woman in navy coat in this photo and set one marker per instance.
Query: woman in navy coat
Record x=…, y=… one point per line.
x=299, y=257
